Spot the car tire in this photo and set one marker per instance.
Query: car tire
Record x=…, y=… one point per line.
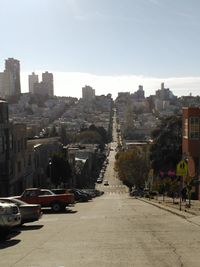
x=56, y=206
x=4, y=232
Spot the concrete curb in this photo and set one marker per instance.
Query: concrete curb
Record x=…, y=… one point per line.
x=182, y=214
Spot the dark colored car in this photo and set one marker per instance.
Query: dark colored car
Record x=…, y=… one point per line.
x=79, y=196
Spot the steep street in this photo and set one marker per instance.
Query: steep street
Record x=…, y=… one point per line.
x=111, y=230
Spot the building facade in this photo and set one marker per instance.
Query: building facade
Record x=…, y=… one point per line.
x=88, y=93
x=10, y=79
x=191, y=142
x=12, y=66
x=47, y=79
x=40, y=88
x=45, y=87
x=5, y=142
x=32, y=79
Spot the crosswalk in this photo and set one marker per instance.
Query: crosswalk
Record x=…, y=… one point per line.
x=111, y=186
x=113, y=190
x=115, y=193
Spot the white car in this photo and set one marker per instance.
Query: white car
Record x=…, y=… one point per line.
x=99, y=180
x=9, y=217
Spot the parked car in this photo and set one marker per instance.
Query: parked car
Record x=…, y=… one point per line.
x=46, y=198
x=79, y=196
x=58, y=191
x=106, y=182
x=99, y=180
x=89, y=191
x=9, y=217
x=94, y=192
x=29, y=212
x=82, y=191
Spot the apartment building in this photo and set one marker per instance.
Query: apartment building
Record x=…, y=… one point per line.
x=191, y=142
x=32, y=79
x=5, y=140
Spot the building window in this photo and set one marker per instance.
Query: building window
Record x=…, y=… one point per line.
x=19, y=166
x=18, y=146
x=11, y=141
x=194, y=128
x=29, y=160
x=185, y=128
x=1, y=144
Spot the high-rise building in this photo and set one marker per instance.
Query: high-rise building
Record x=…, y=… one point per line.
x=7, y=86
x=47, y=79
x=88, y=93
x=40, y=88
x=12, y=66
x=32, y=79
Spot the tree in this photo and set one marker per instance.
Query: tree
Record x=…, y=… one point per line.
x=102, y=132
x=53, y=131
x=132, y=167
x=65, y=139
x=89, y=137
x=59, y=170
x=166, y=150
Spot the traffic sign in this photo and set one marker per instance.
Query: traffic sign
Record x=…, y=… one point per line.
x=181, y=168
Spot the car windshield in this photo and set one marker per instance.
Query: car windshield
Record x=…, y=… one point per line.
x=46, y=193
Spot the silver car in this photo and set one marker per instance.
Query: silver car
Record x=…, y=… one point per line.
x=9, y=217
x=29, y=212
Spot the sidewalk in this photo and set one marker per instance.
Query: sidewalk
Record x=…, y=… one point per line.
x=174, y=207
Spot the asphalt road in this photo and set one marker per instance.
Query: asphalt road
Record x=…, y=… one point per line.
x=112, y=230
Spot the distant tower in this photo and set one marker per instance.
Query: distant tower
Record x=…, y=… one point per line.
x=12, y=66
x=47, y=79
x=88, y=93
x=140, y=92
x=32, y=79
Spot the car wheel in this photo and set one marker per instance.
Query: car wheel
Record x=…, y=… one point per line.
x=4, y=232
x=56, y=206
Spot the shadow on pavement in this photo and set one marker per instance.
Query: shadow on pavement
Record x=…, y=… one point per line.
x=50, y=211
x=6, y=240
x=71, y=211
x=30, y=227
x=8, y=243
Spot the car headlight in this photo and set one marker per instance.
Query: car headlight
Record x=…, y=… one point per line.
x=5, y=210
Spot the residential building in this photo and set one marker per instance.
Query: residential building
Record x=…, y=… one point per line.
x=191, y=142
x=5, y=142
x=88, y=93
x=12, y=66
x=32, y=79
x=40, y=152
x=139, y=94
x=47, y=79
x=18, y=161
x=6, y=84
x=40, y=88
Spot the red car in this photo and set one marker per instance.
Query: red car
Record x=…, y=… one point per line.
x=46, y=198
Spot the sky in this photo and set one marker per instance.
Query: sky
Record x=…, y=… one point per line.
x=112, y=45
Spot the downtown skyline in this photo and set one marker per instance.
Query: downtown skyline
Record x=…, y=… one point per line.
x=110, y=45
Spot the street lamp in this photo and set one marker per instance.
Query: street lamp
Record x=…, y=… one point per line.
x=50, y=168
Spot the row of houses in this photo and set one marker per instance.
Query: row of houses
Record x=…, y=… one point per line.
x=24, y=163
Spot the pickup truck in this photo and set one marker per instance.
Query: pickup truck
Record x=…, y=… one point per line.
x=46, y=198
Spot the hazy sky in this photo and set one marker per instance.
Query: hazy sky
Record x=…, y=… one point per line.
x=112, y=45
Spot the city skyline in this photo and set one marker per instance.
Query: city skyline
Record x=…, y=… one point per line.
x=110, y=45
